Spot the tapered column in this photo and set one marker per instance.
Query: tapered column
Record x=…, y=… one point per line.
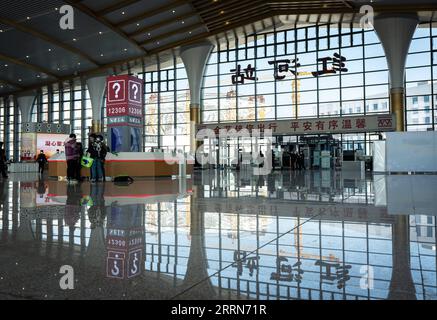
x=395, y=32
x=96, y=251
x=24, y=232
x=401, y=283
x=197, y=277
x=194, y=120
x=195, y=58
x=96, y=87
x=25, y=104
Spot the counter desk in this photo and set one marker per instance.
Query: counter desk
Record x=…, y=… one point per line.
x=134, y=164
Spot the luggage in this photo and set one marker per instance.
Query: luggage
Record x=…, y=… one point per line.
x=123, y=180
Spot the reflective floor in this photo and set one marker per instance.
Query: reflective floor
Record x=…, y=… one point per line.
x=221, y=235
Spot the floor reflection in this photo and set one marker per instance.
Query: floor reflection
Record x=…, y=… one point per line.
x=222, y=235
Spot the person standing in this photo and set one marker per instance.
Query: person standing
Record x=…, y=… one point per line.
x=71, y=155
x=97, y=151
x=3, y=161
x=293, y=161
x=301, y=160
x=41, y=160
x=273, y=160
x=105, y=150
x=79, y=165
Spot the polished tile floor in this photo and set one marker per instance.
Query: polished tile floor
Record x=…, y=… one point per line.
x=221, y=235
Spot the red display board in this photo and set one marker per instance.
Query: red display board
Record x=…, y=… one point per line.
x=125, y=252
x=124, y=111
x=124, y=90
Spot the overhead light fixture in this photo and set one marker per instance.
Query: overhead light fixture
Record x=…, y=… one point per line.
x=101, y=54
x=183, y=22
x=56, y=9
x=138, y=24
x=74, y=39
x=59, y=69
x=6, y=65
x=157, y=42
x=148, y=34
x=123, y=13
x=100, y=32
x=125, y=49
x=223, y=11
x=38, y=76
x=78, y=63
x=1, y=30
x=189, y=32
x=50, y=49
x=27, y=57
x=227, y=22
x=28, y=18
x=174, y=11
x=19, y=80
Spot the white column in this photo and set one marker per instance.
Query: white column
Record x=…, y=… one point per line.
x=96, y=87
x=197, y=266
x=96, y=250
x=195, y=58
x=25, y=104
x=395, y=32
x=401, y=283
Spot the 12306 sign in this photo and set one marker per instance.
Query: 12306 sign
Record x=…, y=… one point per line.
x=124, y=110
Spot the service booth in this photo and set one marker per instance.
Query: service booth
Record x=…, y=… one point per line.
x=124, y=110
x=134, y=164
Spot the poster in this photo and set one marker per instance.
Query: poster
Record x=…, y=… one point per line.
x=28, y=146
x=50, y=142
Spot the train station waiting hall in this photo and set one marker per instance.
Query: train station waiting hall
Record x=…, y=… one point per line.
x=218, y=149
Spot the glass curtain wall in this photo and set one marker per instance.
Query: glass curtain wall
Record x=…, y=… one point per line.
x=363, y=89
x=421, y=74
x=67, y=103
x=167, y=106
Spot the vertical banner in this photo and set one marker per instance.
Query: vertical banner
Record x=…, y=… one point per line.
x=124, y=110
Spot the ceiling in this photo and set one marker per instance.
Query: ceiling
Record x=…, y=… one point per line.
x=113, y=35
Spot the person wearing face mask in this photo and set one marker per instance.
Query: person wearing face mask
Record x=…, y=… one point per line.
x=97, y=151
